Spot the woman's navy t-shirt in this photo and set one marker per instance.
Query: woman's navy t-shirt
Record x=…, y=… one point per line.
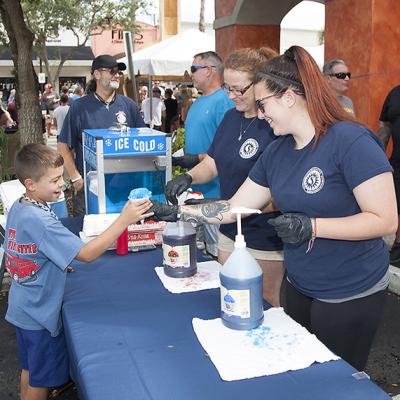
x=391, y=113
x=234, y=159
x=319, y=183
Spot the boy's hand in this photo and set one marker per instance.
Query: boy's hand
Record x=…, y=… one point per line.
x=134, y=211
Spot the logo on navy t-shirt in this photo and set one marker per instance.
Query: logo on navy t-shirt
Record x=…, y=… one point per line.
x=248, y=148
x=313, y=180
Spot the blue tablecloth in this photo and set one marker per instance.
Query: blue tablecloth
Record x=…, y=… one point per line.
x=129, y=338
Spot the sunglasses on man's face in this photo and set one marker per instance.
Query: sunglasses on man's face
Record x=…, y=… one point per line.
x=111, y=71
x=341, y=75
x=195, y=68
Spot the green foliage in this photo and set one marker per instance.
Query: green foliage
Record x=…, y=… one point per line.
x=321, y=37
x=47, y=18
x=179, y=143
x=5, y=171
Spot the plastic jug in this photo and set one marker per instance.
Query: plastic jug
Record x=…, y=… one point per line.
x=179, y=250
x=241, y=284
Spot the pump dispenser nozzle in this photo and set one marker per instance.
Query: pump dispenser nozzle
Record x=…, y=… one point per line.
x=239, y=238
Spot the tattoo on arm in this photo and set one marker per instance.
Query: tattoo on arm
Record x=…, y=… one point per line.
x=215, y=210
x=205, y=213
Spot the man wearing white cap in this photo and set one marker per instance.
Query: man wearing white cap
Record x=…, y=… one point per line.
x=101, y=109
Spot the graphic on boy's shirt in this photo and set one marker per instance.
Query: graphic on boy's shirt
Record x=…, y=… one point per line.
x=20, y=248
x=20, y=269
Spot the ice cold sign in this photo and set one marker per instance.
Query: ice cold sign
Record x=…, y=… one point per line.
x=129, y=145
x=138, y=145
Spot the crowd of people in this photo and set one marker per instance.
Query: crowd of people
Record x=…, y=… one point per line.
x=268, y=131
x=168, y=103
x=8, y=111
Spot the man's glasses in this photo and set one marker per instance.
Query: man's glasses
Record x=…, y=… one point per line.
x=341, y=75
x=260, y=105
x=195, y=68
x=113, y=71
x=237, y=92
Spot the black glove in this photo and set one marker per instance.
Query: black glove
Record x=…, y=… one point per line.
x=293, y=228
x=187, y=161
x=177, y=186
x=191, y=202
x=164, y=212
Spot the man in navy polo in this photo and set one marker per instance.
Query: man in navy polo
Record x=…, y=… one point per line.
x=98, y=110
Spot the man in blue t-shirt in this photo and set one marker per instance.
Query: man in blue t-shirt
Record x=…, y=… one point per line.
x=99, y=110
x=201, y=124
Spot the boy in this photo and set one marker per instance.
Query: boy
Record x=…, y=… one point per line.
x=39, y=250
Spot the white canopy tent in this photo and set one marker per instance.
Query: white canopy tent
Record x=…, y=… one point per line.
x=172, y=56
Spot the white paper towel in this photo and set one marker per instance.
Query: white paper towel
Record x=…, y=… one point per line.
x=207, y=277
x=280, y=344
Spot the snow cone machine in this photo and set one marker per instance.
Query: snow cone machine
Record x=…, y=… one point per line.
x=115, y=162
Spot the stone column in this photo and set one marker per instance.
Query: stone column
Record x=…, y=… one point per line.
x=365, y=34
x=238, y=36
x=170, y=18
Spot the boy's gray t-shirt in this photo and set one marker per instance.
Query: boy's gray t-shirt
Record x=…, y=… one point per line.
x=38, y=250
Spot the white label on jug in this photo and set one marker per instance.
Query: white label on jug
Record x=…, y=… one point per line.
x=176, y=256
x=235, y=303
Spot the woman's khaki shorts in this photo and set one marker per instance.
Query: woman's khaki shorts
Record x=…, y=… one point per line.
x=228, y=245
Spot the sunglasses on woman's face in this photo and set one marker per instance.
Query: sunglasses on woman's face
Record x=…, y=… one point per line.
x=341, y=75
x=260, y=103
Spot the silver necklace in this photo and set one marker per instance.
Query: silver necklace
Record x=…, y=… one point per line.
x=40, y=205
x=242, y=131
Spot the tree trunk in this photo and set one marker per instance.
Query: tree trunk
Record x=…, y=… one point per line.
x=21, y=43
x=202, y=26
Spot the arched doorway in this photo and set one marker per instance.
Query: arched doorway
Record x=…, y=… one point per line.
x=362, y=32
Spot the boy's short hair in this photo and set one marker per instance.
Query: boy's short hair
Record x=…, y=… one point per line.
x=34, y=159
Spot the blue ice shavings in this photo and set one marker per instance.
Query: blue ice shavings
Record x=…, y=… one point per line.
x=265, y=337
x=139, y=193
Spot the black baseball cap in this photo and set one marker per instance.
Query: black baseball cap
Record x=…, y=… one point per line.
x=106, y=61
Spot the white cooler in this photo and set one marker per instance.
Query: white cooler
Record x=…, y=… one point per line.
x=12, y=190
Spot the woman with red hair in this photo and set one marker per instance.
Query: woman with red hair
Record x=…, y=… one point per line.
x=331, y=179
